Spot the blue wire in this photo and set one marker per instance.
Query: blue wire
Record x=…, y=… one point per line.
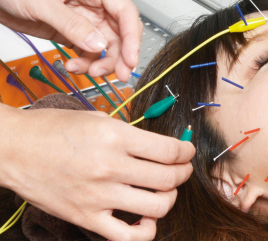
x=241, y=14
x=230, y=82
x=207, y=104
x=202, y=65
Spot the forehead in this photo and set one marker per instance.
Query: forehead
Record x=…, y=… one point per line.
x=259, y=33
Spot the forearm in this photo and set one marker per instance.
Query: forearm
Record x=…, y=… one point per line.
x=9, y=123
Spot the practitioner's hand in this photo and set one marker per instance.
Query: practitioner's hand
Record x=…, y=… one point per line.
x=86, y=26
x=80, y=166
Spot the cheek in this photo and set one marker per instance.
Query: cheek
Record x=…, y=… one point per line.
x=251, y=108
x=242, y=110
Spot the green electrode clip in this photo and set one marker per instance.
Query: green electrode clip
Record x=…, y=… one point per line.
x=36, y=73
x=187, y=134
x=159, y=108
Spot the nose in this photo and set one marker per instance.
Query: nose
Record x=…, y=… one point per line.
x=247, y=202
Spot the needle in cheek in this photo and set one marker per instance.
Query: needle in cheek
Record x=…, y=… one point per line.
x=242, y=184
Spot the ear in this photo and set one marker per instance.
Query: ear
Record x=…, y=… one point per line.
x=223, y=182
x=226, y=188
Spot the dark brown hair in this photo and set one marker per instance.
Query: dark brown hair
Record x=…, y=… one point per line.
x=200, y=212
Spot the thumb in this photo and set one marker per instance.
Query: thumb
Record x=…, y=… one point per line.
x=74, y=27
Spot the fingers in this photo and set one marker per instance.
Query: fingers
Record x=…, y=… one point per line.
x=76, y=28
x=152, y=175
x=155, y=147
x=106, y=65
x=122, y=71
x=92, y=64
x=126, y=13
x=142, y=202
x=115, y=229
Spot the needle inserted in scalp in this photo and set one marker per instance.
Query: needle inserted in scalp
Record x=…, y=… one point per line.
x=241, y=14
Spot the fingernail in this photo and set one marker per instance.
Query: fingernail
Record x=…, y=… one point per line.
x=95, y=42
x=74, y=68
x=101, y=72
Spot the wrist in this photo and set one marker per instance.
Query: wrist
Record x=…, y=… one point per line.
x=10, y=119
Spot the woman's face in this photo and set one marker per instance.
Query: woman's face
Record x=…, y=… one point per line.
x=244, y=110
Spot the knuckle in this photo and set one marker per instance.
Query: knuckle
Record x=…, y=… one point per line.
x=168, y=180
x=172, y=152
x=160, y=209
x=101, y=114
x=188, y=172
x=125, y=237
x=70, y=26
x=151, y=233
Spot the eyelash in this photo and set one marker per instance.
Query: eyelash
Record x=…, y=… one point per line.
x=261, y=61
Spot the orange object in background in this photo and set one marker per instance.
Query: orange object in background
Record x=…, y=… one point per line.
x=14, y=97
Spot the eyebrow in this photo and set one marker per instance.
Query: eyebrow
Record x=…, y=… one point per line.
x=250, y=40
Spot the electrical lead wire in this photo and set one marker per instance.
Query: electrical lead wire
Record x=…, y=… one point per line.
x=92, y=81
x=170, y=68
x=18, y=80
x=24, y=37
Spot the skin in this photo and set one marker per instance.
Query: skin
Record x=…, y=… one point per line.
x=70, y=22
x=241, y=111
x=80, y=166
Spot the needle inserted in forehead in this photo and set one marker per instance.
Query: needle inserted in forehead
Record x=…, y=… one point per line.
x=242, y=184
x=258, y=9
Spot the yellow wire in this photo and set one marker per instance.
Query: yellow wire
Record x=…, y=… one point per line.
x=169, y=69
x=137, y=121
x=19, y=213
